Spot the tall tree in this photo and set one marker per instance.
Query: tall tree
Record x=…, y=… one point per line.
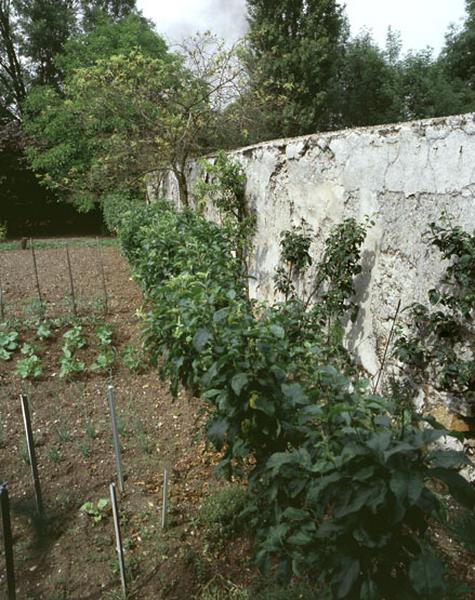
x=12, y=76
x=44, y=26
x=295, y=49
x=457, y=58
x=115, y=10
x=370, y=91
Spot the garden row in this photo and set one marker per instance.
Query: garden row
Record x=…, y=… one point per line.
x=344, y=485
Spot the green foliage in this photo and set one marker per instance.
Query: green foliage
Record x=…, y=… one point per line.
x=8, y=344
x=220, y=513
x=133, y=358
x=114, y=205
x=3, y=231
x=295, y=49
x=440, y=347
x=74, y=340
x=371, y=87
x=106, y=356
x=29, y=367
x=340, y=487
x=96, y=511
x=43, y=330
x=226, y=191
x=294, y=247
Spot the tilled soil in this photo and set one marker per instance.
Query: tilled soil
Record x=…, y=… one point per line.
x=70, y=554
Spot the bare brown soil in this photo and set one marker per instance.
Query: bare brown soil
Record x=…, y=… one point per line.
x=69, y=556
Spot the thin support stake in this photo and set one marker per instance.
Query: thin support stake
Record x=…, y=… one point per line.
x=71, y=281
x=35, y=268
x=2, y=304
x=165, y=498
x=388, y=342
x=31, y=453
x=103, y=274
x=7, y=541
x=118, y=539
x=115, y=437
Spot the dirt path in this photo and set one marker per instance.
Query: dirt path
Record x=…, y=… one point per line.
x=71, y=556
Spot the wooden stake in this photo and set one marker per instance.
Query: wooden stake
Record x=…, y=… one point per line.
x=388, y=342
x=31, y=453
x=7, y=541
x=165, y=498
x=115, y=437
x=118, y=539
x=35, y=267
x=71, y=282
x=2, y=306
x=103, y=275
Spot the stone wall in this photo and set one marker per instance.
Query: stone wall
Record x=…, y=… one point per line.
x=403, y=176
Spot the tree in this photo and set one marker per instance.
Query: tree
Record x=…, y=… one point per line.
x=457, y=59
x=370, y=91
x=44, y=26
x=295, y=50
x=114, y=10
x=12, y=79
x=129, y=114
x=427, y=90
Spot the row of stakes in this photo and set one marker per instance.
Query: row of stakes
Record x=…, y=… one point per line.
x=71, y=280
x=5, y=503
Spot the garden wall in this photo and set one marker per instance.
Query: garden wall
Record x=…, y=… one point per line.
x=403, y=176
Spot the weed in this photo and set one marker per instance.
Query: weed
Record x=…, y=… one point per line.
x=91, y=431
x=63, y=433
x=132, y=358
x=85, y=449
x=142, y=439
x=220, y=513
x=25, y=455
x=54, y=455
x=34, y=308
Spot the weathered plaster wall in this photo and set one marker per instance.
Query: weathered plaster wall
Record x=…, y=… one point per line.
x=403, y=176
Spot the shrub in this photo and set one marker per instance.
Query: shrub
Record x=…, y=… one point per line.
x=220, y=513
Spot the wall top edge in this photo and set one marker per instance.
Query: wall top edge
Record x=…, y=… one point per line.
x=452, y=121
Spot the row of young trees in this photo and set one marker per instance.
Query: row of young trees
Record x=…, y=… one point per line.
x=92, y=96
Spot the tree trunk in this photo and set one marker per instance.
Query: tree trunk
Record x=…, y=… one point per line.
x=182, y=187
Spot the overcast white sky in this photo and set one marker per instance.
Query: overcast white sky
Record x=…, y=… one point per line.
x=421, y=22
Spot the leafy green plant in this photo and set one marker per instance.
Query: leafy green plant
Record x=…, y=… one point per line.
x=29, y=367
x=74, y=340
x=294, y=247
x=220, y=513
x=8, y=344
x=106, y=355
x=97, y=511
x=133, y=358
x=3, y=231
x=439, y=347
x=225, y=189
x=43, y=330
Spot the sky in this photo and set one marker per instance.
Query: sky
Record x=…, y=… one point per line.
x=422, y=23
